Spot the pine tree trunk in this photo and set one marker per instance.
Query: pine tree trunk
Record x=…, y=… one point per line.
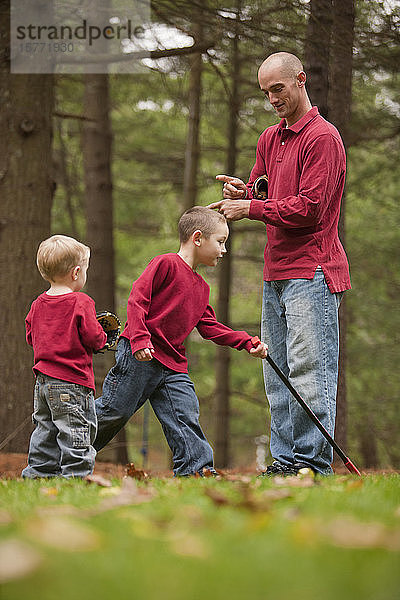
x=339, y=114
x=317, y=53
x=97, y=152
x=225, y=277
x=192, y=153
x=26, y=189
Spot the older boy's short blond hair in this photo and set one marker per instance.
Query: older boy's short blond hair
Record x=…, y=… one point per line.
x=199, y=218
x=59, y=254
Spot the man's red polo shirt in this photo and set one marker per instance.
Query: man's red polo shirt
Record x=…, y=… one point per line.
x=306, y=166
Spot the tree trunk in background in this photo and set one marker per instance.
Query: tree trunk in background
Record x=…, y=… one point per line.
x=339, y=114
x=26, y=189
x=97, y=150
x=192, y=153
x=317, y=53
x=225, y=275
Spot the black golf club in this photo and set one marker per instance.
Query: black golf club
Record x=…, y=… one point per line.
x=350, y=466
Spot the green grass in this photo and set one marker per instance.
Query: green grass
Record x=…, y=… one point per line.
x=335, y=538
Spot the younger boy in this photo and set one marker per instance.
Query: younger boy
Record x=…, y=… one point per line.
x=166, y=303
x=62, y=328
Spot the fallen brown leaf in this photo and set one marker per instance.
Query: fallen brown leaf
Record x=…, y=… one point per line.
x=63, y=533
x=5, y=517
x=128, y=493
x=348, y=532
x=185, y=543
x=49, y=491
x=17, y=559
x=132, y=471
x=98, y=480
x=217, y=497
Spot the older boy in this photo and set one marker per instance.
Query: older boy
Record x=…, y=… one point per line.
x=62, y=328
x=166, y=303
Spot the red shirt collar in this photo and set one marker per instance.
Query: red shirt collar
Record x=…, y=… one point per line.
x=301, y=123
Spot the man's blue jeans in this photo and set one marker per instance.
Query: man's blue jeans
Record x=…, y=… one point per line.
x=300, y=326
x=126, y=388
x=65, y=419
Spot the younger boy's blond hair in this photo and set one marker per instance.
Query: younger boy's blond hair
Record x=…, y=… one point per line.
x=199, y=217
x=59, y=254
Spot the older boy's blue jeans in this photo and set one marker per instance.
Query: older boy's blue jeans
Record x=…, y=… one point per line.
x=300, y=326
x=65, y=419
x=126, y=388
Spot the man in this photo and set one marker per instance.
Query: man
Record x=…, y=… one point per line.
x=306, y=269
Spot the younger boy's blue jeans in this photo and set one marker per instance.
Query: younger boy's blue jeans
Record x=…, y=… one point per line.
x=126, y=388
x=65, y=419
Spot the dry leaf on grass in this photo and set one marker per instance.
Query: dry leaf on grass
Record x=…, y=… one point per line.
x=49, y=491
x=132, y=471
x=63, y=533
x=350, y=533
x=128, y=493
x=17, y=560
x=217, y=497
x=185, y=543
x=345, y=532
x=295, y=481
x=5, y=517
x=98, y=480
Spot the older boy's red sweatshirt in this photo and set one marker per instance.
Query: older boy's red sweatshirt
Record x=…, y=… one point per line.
x=64, y=331
x=166, y=303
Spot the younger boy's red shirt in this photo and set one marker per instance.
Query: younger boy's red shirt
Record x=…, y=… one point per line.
x=166, y=303
x=63, y=331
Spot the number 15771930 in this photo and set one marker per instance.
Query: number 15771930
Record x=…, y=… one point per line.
x=41, y=47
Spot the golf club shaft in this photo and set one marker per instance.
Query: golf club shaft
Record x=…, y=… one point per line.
x=350, y=466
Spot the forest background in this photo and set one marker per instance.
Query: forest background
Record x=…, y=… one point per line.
x=115, y=159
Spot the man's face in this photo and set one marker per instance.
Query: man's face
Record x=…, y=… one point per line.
x=283, y=92
x=213, y=248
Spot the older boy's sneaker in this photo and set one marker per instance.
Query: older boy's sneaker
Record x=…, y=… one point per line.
x=208, y=472
x=277, y=469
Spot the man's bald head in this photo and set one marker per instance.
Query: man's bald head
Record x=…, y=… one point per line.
x=289, y=64
x=282, y=79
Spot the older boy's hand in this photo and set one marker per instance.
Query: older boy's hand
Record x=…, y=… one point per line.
x=144, y=354
x=260, y=351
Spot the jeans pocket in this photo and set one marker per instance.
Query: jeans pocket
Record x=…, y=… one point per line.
x=123, y=357
x=80, y=435
x=35, y=402
x=67, y=397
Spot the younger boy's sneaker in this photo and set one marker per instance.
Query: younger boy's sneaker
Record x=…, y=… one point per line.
x=277, y=469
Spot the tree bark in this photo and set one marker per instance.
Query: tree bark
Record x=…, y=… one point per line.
x=26, y=188
x=339, y=114
x=97, y=152
x=317, y=53
x=192, y=153
x=225, y=273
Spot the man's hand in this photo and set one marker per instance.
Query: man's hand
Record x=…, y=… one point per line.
x=234, y=207
x=260, y=351
x=144, y=354
x=233, y=210
x=234, y=188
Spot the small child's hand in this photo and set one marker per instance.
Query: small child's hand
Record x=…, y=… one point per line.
x=260, y=351
x=144, y=354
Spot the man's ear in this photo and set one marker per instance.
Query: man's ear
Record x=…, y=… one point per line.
x=197, y=237
x=301, y=79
